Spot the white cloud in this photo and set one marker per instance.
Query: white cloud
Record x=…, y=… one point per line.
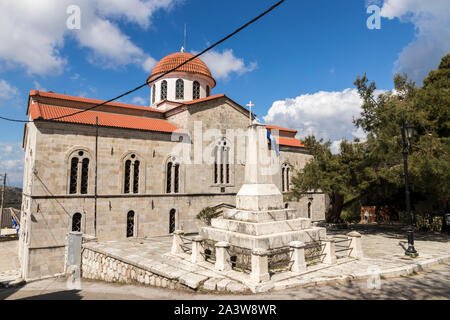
x=38, y=86
x=7, y=91
x=11, y=162
x=432, y=22
x=33, y=32
x=148, y=64
x=223, y=63
x=327, y=115
x=139, y=101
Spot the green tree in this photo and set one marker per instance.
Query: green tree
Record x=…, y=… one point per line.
x=371, y=172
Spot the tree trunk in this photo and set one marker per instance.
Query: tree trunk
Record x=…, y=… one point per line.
x=333, y=214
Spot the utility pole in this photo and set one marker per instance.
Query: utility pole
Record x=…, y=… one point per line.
x=3, y=199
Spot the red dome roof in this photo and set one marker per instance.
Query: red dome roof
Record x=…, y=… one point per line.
x=173, y=60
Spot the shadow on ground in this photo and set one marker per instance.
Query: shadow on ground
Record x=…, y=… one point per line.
x=391, y=231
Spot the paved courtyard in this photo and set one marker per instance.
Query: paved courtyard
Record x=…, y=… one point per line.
x=432, y=283
x=383, y=249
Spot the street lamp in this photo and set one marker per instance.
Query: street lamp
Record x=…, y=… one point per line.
x=407, y=134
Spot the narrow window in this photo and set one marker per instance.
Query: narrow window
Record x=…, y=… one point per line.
x=176, y=178
x=164, y=90
x=154, y=94
x=221, y=157
x=136, y=177
x=196, y=90
x=84, y=176
x=282, y=179
x=179, y=92
x=76, y=222
x=216, y=156
x=169, y=178
x=126, y=185
x=130, y=224
x=287, y=178
x=172, y=220
x=73, y=175
x=207, y=91
x=227, y=164
x=309, y=210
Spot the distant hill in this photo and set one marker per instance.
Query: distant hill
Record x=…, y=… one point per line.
x=13, y=197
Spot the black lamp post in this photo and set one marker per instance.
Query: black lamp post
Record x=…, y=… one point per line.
x=407, y=133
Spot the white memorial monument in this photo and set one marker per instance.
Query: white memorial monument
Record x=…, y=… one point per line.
x=260, y=221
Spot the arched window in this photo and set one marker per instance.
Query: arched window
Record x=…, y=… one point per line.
x=130, y=224
x=131, y=174
x=73, y=175
x=309, y=210
x=173, y=176
x=79, y=173
x=172, y=220
x=153, y=93
x=285, y=179
x=196, y=90
x=207, y=91
x=76, y=222
x=222, y=163
x=163, y=90
x=179, y=91
x=84, y=175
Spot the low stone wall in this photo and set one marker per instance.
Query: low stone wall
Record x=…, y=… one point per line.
x=98, y=266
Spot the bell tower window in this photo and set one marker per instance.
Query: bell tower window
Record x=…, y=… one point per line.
x=196, y=90
x=179, y=92
x=163, y=90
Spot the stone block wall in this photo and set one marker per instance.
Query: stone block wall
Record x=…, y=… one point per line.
x=98, y=266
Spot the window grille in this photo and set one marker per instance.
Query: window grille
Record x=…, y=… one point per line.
x=73, y=175
x=196, y=90
x=76, y=222
x=164, y=90
x=172, y=220
x=136, y=177
x=84, y=176
x=154, y=94
x=130, y=224
x=179, y=93
x=176, y=178
x=169, y=178
x=127, y=174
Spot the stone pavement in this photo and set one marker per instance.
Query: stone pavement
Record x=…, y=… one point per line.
x=431, y=284
x=9, y=263
x=384, y=257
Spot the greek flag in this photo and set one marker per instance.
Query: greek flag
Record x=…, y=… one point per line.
x=273, y=143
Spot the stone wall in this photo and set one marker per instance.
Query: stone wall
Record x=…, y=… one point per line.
x=98, y=266
x=48, y=208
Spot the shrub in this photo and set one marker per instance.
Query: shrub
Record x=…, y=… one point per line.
x=207, y=214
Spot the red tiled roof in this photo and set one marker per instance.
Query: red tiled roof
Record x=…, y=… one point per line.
x=88, y=100
x=44, y=112
x=280, y=128
x=175, y=59
x=204, y=99
x=291, y=142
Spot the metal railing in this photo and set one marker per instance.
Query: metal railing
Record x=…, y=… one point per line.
x=314, y=252
x=280, y=259
x=187, y=244
x=342, y=247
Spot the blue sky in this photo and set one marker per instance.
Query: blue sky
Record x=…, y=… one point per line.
x=297, y=64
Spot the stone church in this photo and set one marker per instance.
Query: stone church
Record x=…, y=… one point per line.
x=121, y=171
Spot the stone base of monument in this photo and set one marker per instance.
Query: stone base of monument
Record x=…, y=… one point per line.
x=270, y=229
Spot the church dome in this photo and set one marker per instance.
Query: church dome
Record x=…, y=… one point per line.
x=169, y=62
